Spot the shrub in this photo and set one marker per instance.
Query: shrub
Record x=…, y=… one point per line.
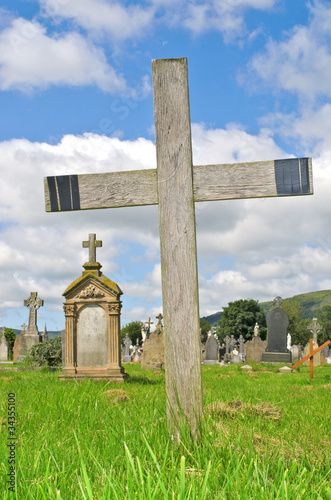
x=48, y=353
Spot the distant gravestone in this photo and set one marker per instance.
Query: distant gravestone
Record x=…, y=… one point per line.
x=153, y=354
x=136, y=352
x=127, y=358
x=326, y=352
x=255, y=349
x=314, y=328
x=4, y=347
x=235, y=359
x=241, y=348
x=296, y=353
x=277, y=325
x=211, y=351
x=316, y=358
x=227, y=348
x=29, y=337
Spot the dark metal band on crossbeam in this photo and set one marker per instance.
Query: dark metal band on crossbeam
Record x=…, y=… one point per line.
x=292, y=176
x=63, y=193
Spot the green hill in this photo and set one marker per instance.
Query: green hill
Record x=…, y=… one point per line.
x=213, y=319
x=310, y=301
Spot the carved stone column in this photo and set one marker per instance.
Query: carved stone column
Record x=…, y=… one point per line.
x=69, y=311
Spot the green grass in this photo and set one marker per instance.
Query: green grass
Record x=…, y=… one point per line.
x=266, y=436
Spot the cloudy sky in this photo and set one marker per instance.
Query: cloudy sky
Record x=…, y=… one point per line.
x=76, y=97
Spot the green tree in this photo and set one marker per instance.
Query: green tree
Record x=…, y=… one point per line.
x=10, y=336
x=205, y=327
x=239, y=318
x=297, y=322
x=323, y=316
x=133, y=329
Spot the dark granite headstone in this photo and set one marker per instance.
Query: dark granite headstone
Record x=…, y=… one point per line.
x=212, y=348
x=277, y=324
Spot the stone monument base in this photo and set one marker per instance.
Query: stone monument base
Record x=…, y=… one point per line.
x=210, y=362
x=81, y=373
x=277, y=357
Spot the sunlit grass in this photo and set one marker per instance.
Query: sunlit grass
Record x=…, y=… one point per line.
x=266, y=436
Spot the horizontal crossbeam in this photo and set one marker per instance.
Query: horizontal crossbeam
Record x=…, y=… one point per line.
x=261, y=179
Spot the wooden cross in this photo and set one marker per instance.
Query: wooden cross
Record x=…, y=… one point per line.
x=310, y=356
x=175, y=186
x=92, y=244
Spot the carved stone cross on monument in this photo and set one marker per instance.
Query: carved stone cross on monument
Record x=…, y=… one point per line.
x=175, y=186
x=314, y=328
x=92, y=245
x=148, y=326
x=33, y=303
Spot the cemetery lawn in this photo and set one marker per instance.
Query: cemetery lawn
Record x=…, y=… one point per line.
x=266, y=436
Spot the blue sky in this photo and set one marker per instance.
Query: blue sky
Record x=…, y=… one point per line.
x=76, y=97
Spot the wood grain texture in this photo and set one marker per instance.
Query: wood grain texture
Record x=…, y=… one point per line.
x=177, y=245
x=210, y=183
x=234, y=181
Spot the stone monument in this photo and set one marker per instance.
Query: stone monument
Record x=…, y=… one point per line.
x=314, y=328
x=255, y=347
x=4, y=347
x=153, y=354
x=127, y=358
x=29, y=337
x=92, y=330
x=277, y=324
x=211, y=350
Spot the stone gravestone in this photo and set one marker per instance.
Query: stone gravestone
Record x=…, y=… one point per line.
x=227, y=349
x=175, y=186
x=127, y=358
x=136, y=352
x=153, y=354
x=314, y=328
x=296, y=353
x=277, y=325
x=255, y=349
x=4, y=347
x=29, y=337
x=92, y=334
x=241, y=348
x=235, y=358
x=211, y=350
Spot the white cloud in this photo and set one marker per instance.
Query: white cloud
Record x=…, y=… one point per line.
x=133, y=21
x=118, y=21
x=30, y=59
x=225, y=16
